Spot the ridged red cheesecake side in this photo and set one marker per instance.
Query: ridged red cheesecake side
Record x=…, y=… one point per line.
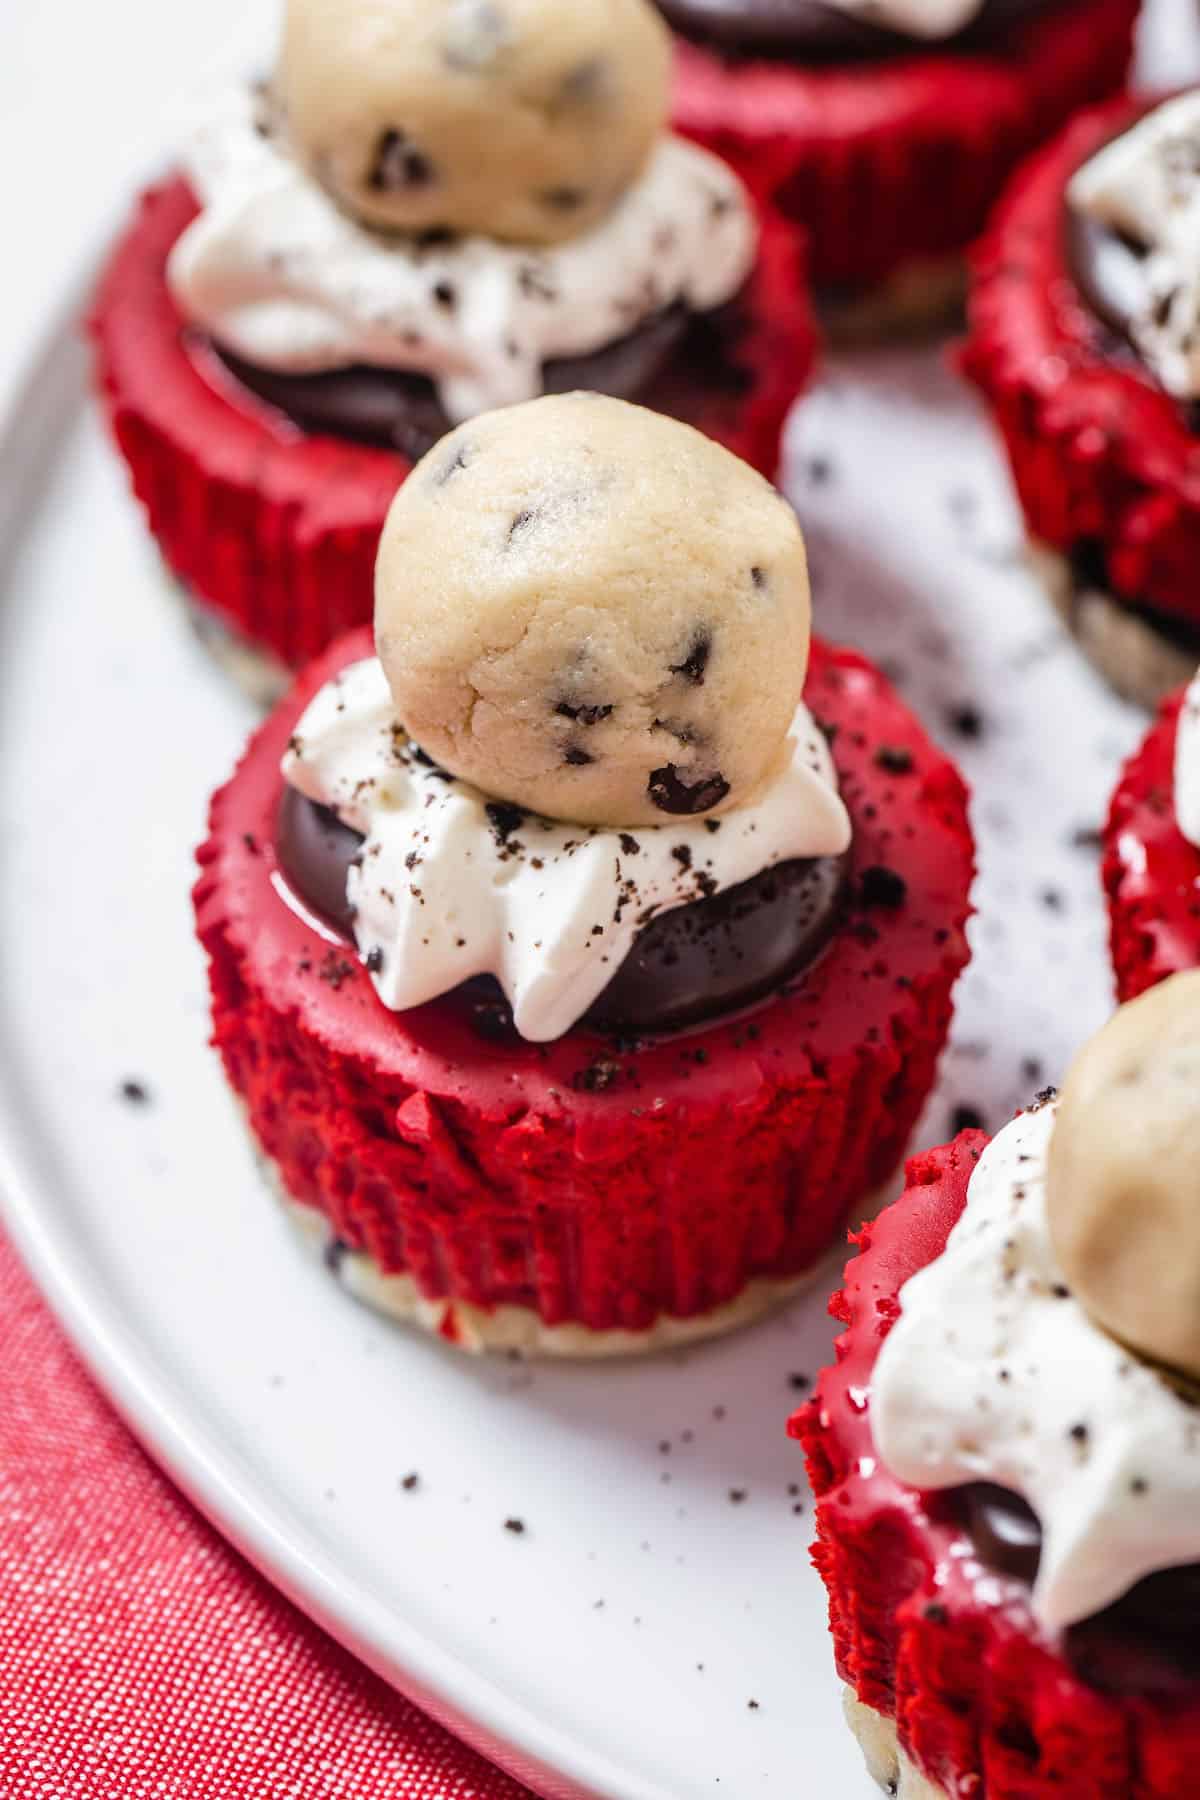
x=1151, y=872
x=277, y=529
x=586, y=1180
x=984, y=1704
x=897, y=160
x=1102, y=458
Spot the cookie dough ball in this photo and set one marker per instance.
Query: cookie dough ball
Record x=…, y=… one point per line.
x=1123, y=1182
x=521, y=119
x=594, y=612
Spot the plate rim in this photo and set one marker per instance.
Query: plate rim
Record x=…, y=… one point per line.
x=506, y=1732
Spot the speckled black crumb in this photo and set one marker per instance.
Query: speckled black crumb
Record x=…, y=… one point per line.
x=879, y=886
x=966, y=722
x=134, y=1092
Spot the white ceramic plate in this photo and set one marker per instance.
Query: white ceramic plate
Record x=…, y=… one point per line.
x=655, y=1632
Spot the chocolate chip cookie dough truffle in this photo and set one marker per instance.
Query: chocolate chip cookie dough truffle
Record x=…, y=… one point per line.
x=1083, y=313
x=584, y=956
x=888, y=129
x=1006, y=1456
x=432, y=208
x=1152, y=851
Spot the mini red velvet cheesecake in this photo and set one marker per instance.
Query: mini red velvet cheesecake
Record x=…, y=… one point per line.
x=1067, y=311
x=501, y=1136
x=284, y=327
x=1151, y=867
x=954, y=1683
x=607, y=1182
x=889, y=149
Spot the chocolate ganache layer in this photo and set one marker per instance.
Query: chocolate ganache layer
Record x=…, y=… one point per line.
x=807, y=30
x=399, y=410
x=692, y=963
x=1146, y=1641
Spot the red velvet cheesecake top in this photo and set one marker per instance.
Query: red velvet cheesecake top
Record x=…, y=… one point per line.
x=908, y=867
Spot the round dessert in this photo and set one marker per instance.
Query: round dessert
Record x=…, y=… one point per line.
x=1152, y=852
x=433, y=208
x=1082, y=311
x=583, y=1076
x=851, y=118
x=1006, y=1458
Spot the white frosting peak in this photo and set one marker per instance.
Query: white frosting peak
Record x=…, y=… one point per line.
x=1145, y=185
x=1187, y=764
x=995, y=1373
x=279, y=276
x=444, y=891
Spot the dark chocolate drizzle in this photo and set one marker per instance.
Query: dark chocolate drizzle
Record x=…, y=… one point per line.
x=692, y=963
x=1146, y=1641
x=808, y=30
x=401, y=410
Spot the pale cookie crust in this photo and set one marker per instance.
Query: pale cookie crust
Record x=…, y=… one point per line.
x=919, y=299
x=886, y=1761
x=517, y=1331
x=1135, y=659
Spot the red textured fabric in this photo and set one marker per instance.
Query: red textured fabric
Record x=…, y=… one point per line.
x=1102, y=458
x=1151, y=872
x=983, y=1703
x=277, y=530
x=590, y=1182
x=892, y=161
x=140, y=1657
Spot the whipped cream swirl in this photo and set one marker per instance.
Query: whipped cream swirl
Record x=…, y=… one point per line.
x=1187, y=764
x=994, y=1372
x=451, y=884
x=277, y=274
x=1145, y=185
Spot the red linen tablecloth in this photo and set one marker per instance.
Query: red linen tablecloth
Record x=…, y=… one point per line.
x=140, y=1657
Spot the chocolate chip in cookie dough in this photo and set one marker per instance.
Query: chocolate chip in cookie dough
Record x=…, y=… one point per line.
x=398, y=164
x=758, y=577
x=680, y=730
x=671, y=793
x=586, y=83
x=576, y=756
x=562, y=199
x=696, y=660
x=582, y=715
x=458, y=459
x=521, y=522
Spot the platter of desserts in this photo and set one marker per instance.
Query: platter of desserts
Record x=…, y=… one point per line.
x=495, y=885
